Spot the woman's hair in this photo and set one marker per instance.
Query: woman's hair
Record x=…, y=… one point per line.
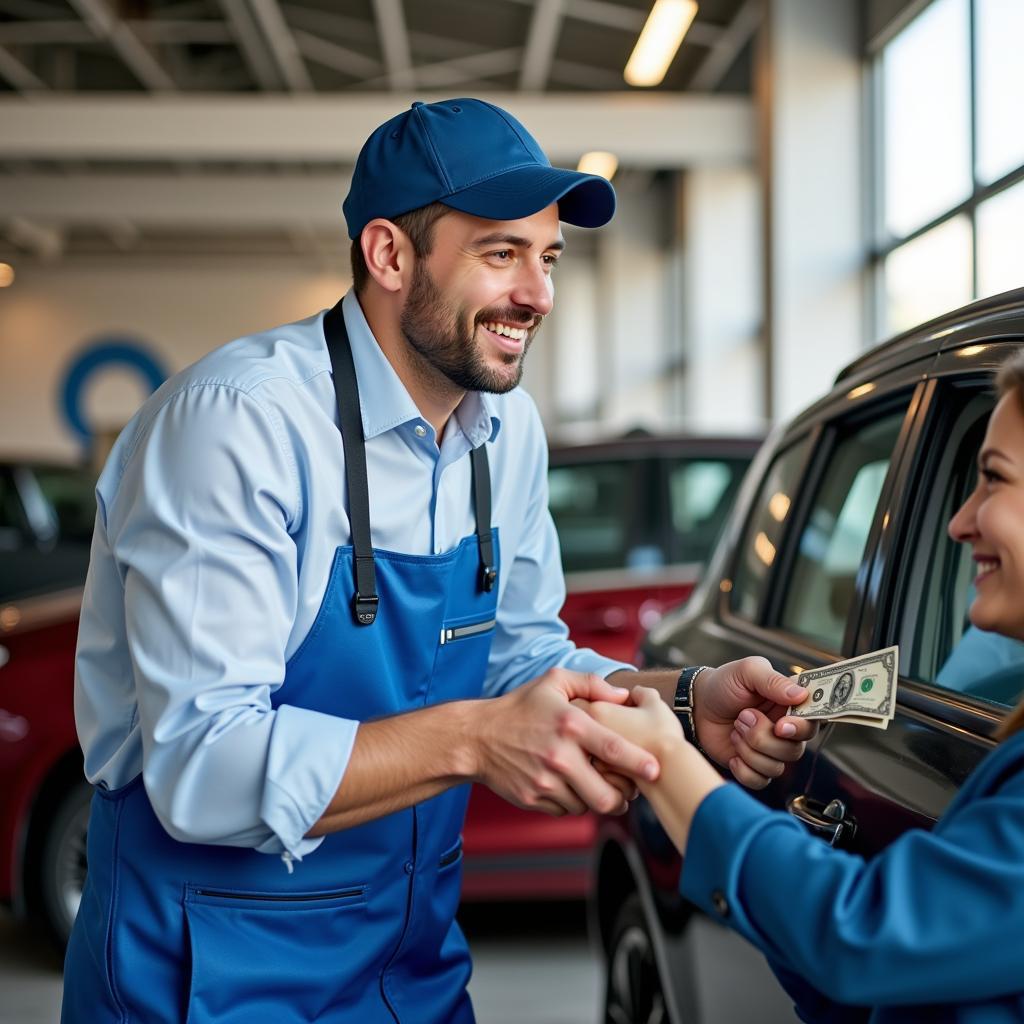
x=1010, y=380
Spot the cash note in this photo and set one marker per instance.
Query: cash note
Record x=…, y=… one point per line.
x=860, y=691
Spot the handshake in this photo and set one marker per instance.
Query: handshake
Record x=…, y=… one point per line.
x=569, y=742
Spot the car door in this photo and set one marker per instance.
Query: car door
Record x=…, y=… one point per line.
x=955, y=681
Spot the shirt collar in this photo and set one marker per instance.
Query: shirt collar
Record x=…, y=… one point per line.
x=384, y=402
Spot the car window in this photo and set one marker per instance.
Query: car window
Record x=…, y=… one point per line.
x=13, y=527
x=589, y=503
x=823, y=580
x=701, y=492
x=946, y=649
x=764, y=530
x=44, y=539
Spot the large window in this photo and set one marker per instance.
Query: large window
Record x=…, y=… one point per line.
x=948, y=217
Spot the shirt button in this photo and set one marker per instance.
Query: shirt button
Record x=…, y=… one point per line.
x=720, y=903
x=420, y=430
x=409, y=866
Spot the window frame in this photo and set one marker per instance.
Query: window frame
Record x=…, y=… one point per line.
x=831, y=422
x=882, y=245
x=884, y=614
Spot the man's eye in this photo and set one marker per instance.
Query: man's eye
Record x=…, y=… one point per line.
x=503, y=254
x=549, y=260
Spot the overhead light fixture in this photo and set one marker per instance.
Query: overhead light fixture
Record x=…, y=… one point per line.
x=598, y=162
x=6, y=275
x=659, y=39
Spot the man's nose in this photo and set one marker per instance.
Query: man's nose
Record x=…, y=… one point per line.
x=534, y=290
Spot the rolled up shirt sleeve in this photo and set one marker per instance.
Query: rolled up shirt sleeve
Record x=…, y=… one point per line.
x=200, y=530
x=530, y=638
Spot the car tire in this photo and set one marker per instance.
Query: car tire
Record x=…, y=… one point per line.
x=634, y=993
x=62, y=861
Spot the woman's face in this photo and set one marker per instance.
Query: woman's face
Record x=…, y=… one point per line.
x=992, y=522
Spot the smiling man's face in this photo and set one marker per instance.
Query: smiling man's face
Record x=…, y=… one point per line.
x=477, y=300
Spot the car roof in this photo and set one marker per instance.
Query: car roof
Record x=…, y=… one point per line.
x=995, y=315
x=639, y=443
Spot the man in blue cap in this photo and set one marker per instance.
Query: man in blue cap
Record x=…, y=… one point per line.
x=317, y=550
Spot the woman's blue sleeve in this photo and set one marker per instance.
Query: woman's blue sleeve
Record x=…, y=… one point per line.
x=937, y=917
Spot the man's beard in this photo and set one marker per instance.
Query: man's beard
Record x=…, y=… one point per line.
x=443, y=337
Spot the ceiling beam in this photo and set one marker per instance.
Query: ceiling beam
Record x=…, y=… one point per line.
x=394, y=41
x=106, y=26
x=723, y=54
x=459, y=70
x=129, y=203
x=18, y=74
x=42, y=240
x=243, y=28
x=282, y=45
x=338, y=58
x=35, y=33
x=659, y=129
x=627, y=19
x=541, y=41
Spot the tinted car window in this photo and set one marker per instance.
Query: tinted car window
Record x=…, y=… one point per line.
x=764, y=530
x=590, y=505
x=823, y=581
x=701, y=492
x=947, y=650
x=46, y=516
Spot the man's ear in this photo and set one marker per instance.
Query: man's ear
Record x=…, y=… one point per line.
x=388, y=254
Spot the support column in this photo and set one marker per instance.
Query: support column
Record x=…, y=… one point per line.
x=810, y=99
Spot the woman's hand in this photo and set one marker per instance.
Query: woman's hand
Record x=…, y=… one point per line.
x=646, y=721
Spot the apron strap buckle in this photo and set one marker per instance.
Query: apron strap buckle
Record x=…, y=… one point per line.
x=365, y=608
x=488, y=577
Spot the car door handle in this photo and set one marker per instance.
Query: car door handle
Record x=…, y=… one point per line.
x=5, y=655
x=826, y=820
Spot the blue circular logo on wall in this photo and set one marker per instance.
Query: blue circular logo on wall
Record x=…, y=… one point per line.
x=124, y=352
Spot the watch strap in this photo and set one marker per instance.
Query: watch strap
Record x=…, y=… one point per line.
x=682, y=705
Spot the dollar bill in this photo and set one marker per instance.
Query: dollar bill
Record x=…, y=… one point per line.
x=860, y=691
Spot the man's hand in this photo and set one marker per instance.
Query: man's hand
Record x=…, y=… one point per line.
x=535, y=748
x=740, y=719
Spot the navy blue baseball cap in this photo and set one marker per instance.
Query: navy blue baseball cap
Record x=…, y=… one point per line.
x=471, y=156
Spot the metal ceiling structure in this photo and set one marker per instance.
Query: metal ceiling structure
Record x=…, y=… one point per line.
x=137, y=125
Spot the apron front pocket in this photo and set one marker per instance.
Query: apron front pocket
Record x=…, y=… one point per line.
x=281, y=957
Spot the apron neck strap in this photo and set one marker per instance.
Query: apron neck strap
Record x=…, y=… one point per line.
x=350, y=421
x=365, y=602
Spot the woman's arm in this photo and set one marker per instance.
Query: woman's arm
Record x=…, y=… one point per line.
x=936, y=918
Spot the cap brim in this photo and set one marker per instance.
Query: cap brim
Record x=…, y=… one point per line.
x=586, y=200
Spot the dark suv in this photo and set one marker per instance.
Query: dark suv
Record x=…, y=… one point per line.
x=837, y=545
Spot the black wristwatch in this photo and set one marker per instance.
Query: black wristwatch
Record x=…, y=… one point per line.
x=682, y=705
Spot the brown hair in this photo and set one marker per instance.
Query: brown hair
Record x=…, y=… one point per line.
x=417, y=225
x=1010, y=380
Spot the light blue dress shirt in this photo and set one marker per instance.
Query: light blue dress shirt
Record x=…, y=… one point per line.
x=219, y=511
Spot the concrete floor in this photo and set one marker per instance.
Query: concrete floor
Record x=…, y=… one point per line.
x=533, y=963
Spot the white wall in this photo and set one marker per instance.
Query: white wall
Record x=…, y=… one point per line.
x=722, y=308
x=816, y=184
x=51, y=313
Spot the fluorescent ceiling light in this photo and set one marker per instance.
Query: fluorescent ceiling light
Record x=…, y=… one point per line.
x=660, y=38
x=597, y=162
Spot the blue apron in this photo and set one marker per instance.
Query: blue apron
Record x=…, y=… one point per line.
x=363, y=929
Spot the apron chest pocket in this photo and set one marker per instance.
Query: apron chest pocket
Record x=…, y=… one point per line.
x=275, y=956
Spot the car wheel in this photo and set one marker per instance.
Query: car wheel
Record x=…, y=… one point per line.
x=62, y=861
x=634, y=993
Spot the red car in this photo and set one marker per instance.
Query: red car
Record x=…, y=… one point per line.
x=637, y=519
x=46, y=519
